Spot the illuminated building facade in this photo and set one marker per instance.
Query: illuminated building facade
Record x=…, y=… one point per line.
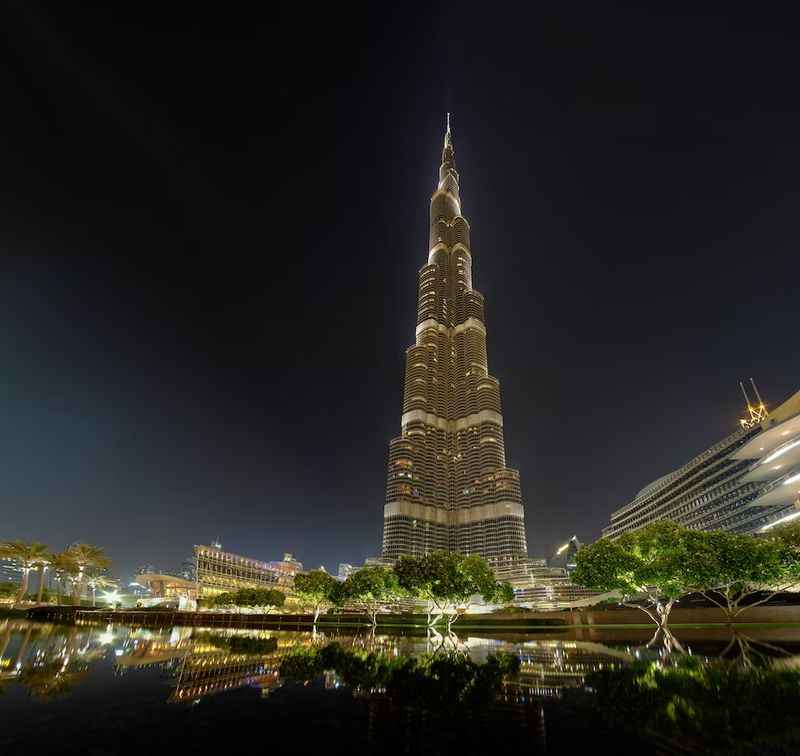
x=286, y=569
x=10, y=571
x=448, y=486
x=541, y=587
x=746, y=483
x=161, y=586
x=219, y=571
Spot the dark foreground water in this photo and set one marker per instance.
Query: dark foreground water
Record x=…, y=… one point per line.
x=122, y=690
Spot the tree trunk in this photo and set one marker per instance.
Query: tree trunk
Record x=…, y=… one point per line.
x=42, y=570
x=661, y=614
x=23, y=586
x=94, y=595
x=663, y=611
x=316, y=614
x=77, y=587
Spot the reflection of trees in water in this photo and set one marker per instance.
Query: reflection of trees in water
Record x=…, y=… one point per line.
x=440, y=702
x=47, y=660
x=751, y=652
x=53, y=678
x=443, y=680
x=665, y=639
x=438, y=682
x=709, y=706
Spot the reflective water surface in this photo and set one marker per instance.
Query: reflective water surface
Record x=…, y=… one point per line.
x=117, y=690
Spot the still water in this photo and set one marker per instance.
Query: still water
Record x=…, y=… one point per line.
x=122, y=690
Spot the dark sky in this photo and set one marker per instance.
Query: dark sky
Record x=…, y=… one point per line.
x=211, y=224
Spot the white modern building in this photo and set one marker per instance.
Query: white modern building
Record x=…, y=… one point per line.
x=747, y=483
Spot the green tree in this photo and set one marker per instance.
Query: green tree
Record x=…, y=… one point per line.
x=702, y=707
x=373, y=588
x=65, y=570
x=251, y=597
x=27, y=556
x=85, y=556
x=448, y=582
x=645, y=566
x=442, y=684
x=317, y=589
x=731, y=569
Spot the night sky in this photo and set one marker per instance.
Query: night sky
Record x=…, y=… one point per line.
x=211, y=224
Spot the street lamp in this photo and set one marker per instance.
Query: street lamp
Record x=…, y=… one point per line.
x=112, y=597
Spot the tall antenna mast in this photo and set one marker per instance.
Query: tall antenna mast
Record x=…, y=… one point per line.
x=746, y=398
x=758, y=396
x=756, y=414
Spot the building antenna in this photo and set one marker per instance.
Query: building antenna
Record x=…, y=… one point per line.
x=746, y=398
x=758, y=396
x=758, y=413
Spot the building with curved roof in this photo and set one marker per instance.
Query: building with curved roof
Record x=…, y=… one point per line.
x=746, y=483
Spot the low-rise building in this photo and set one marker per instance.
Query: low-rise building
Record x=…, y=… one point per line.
x=540, y=587
x=167, y=590
x=10, y=571
x=219, y=571
x=286, y=569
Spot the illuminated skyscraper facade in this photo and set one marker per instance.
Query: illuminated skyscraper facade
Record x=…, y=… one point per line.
x=448, y=486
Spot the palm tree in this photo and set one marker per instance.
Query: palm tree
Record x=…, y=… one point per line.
x=27, y=556
x=84, y=555
x=64, y=569
x=44, y=562
x=99, y=581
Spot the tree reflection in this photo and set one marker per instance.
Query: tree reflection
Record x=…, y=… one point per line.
x=440, y=681
x=709, y=706
x=53, y=678
x=750, y=652
x=667, y=641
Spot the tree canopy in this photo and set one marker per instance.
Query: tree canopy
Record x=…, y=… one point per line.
x=251, y=597
x=449, y=581
x=644, y=565
x=316, y=588
x=371, y=587
x=27, y=556
x=730, y=569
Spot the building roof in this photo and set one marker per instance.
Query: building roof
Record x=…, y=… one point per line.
x=782, y=425
x=155, y=577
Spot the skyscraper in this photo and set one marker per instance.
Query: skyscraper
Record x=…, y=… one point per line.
x=447, y=485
